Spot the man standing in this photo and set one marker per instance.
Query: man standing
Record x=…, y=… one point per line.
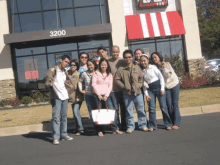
x=56, y=78
x=116, y=95
x=130, y=79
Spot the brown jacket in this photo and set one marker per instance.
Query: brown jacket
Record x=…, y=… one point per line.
x=130, y=80
x=71, y=82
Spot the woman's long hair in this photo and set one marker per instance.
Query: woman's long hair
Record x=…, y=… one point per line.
x=108, y=70
x=158, y=54
x=94, y=63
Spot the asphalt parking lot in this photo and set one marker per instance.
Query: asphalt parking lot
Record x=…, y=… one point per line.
x=196, y=142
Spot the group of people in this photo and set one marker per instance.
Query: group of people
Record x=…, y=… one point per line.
x=105, y=82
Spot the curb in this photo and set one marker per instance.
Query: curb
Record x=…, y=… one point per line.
x=47, y=127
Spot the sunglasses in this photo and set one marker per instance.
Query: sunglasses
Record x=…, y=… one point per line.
x=127, y=57
x=84, y=57
x=73, y=65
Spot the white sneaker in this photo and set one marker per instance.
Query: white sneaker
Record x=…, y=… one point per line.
x=67, y=138
x=56, y=142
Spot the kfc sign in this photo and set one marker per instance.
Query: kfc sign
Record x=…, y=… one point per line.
x=152, y=3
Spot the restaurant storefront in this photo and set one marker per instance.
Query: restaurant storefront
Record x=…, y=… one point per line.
x=38, y=32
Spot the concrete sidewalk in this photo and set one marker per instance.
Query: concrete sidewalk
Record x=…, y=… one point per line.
x=45, y=127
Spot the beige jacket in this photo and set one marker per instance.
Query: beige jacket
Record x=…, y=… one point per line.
x=170, y=77
x=71, y=83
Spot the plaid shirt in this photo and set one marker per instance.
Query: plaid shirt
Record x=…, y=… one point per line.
x=86, y=77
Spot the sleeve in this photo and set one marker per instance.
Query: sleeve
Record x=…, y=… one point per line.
x=118, y=79
x=141, y=78
x=171, y=68
x=145, y=90
x=145, y=86
x=94, y=84
x=49, y=77
x=160, y=76
x=167, y=70
x=81, y=79
x=108, y=91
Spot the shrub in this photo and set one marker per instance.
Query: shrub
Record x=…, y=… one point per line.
x=38, y=97
x=189, y=81
x=26, y=100
x=4, y=102
x=14, y=102
x=213, y=77
x=47, y=96
x=201, y=80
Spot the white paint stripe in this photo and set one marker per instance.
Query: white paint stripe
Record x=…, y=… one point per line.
x=165, y=24
x=144, y=26
x=155, y=24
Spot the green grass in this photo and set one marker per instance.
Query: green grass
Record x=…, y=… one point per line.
x=35, y=115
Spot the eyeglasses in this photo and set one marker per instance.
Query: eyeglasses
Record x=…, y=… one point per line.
x=84, y=57
x=127, y=57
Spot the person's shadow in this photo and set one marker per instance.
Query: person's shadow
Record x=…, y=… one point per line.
x=46, y=136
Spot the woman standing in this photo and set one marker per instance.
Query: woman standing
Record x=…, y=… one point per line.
x=83, y=57
x=71, y=84
x=154, y=79
x=172, y=88
x=86, y=78
x=102, y=82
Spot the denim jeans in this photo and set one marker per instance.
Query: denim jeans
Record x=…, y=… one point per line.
x=172, y=98
x=152, y=109
x=91, y=104
x=139, y=105
x=109, y=103
x=59, y=118
x=115, y=98
x=77, y=117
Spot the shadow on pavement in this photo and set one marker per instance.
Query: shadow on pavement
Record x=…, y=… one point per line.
x=39, y=135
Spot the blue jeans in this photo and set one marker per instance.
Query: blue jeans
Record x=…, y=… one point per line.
x=77, y=117
x=115, y=98
x=139, y=105
x=109, y=103
x=59, y=118
x=91, y=104
x=152, y=109
x=172, y=98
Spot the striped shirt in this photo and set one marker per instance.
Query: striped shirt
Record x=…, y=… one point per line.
x=86, y=78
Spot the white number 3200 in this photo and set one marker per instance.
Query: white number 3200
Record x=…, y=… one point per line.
x=57, y=33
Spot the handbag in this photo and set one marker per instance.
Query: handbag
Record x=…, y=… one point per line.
x=103, y=116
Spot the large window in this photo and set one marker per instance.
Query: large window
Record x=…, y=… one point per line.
x=36, y=15
x=166, y=46
x=32, y=62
